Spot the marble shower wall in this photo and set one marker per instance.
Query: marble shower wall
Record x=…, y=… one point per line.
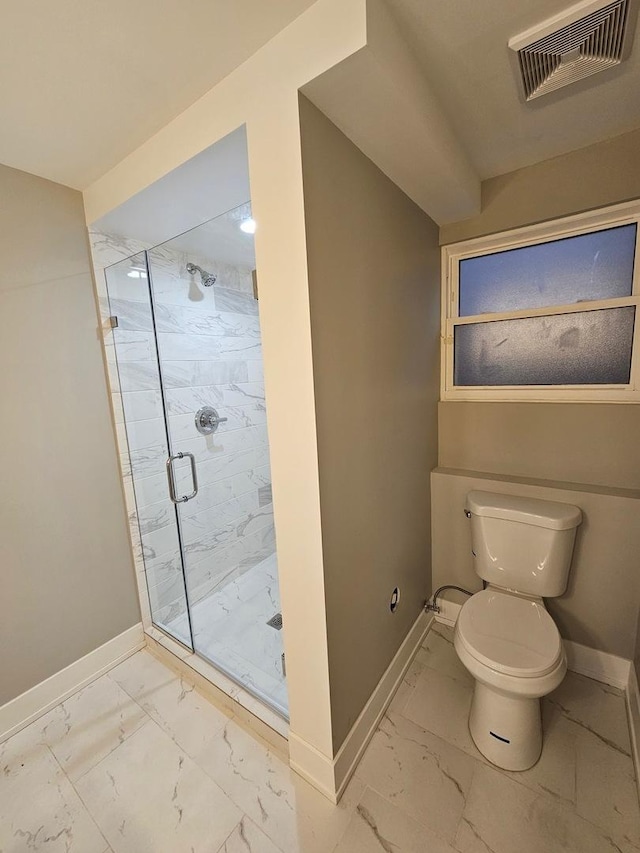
x=210, y=352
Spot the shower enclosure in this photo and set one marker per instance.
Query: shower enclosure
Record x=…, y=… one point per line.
x=187, y=346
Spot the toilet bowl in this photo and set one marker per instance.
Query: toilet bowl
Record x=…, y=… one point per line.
x=513, y=649
x=504, y=636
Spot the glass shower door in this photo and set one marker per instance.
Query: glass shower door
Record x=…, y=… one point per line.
x=187, y=348
x=209, y=344
x=133, y=353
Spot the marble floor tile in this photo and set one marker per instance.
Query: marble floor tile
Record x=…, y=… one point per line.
x=247, y=838
x=437, y=652
x=405, y=690
x=296, y=817
x=173, y=702
x=606, y=790
x=89, y=725
x=39, y=808
x=503, y=816
x=377, y=825
x=595, y=707
x=440, y=704
x=440, y=699
x=158, y=768
x=148, y=796
x=555, y=772
x=419, y=773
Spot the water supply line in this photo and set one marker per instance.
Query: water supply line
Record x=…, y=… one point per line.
x=432, y=606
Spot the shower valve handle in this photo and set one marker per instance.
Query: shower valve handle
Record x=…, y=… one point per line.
x=208, y=420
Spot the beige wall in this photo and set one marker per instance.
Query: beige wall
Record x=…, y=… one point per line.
x=600, y=607
x=67, y=582
x=572, y=442
x=580, y=443
x=592, y=177
x=373, y=282
x=591, y=444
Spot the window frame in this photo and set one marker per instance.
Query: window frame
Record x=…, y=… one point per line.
x=545, y=232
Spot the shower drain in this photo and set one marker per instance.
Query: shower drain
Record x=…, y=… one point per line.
x=275, y=622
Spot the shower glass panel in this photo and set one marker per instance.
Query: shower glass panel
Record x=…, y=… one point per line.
x=132, y=351
x=190, y=362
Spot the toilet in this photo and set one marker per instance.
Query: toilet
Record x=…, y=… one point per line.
x=504, y=635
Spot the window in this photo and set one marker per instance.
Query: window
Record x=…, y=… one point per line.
x=546, y=312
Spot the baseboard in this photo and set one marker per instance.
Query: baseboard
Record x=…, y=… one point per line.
x=632, y=694
x=313, y=765
x=363, y=729
x=601, y=666
x=331, y=776
x=449, y=611
x=27, y=707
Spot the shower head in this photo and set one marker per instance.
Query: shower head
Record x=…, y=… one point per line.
x=206, y=278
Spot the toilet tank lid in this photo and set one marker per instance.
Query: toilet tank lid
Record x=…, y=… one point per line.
x=550, y=514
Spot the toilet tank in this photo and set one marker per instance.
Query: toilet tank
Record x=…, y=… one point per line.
x=522, y=544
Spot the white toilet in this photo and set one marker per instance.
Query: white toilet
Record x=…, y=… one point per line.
x=504, y=635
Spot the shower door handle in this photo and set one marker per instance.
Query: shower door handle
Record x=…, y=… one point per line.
x=172, y=481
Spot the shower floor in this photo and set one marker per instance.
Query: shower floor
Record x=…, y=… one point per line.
x=230, y=630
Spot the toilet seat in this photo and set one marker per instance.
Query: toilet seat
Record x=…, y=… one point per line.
x=509, y=634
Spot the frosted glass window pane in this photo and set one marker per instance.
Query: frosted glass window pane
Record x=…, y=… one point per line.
x=562, y=272
x=586, y=348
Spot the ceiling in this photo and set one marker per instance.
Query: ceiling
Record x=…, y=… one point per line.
x=213, y=182
x=462, y=47
x=83, y=83
x=203, y=201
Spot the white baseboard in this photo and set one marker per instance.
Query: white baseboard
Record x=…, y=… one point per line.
x=633, y=713
x=24, y=709
x=601, y=666
x=449, y=611
x=331, y=776
x=313, y=765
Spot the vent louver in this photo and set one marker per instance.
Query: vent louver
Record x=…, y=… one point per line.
x=584, y=40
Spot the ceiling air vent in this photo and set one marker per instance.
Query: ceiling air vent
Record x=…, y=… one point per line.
x=587, y=38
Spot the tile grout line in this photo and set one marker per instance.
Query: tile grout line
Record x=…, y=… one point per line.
x=115, y=749
x=79, y=796
x=222, y=846
x=454, y=842
x=180, y=677
x=152, y=722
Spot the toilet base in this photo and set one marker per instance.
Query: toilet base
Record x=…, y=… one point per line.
x=506, y=729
